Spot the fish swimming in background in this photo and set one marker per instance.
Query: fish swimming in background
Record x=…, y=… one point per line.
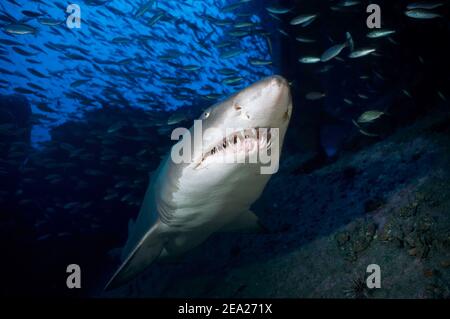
x=332, y=52
x=360, y=53
x=424, y=5
x=421, y=14
x=304, y=39
x=370, y=116
x=303, y=19
x=309, y=59
x=313, y=96
x=278, y=10
x=380, y=33
x=185, y=203
x=19, y=29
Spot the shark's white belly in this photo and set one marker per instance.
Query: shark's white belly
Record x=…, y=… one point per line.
x=205, y=201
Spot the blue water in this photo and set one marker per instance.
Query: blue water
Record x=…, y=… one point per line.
x=184, y=24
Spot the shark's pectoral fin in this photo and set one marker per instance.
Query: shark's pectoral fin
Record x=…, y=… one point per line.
x=147, y=250
x=244, y=222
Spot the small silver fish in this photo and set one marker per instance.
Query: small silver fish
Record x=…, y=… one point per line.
x=421, y=14
x=303, y=18
x=379, y=33
x=360, y=53
x=332, y=52
x=313, y=96
x=304, y=40
x=429, y=5
x=370, y=116
x=20, y=29
x=309, y=59
x=278, y=10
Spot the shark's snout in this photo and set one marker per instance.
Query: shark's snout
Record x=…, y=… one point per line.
x=277, y=88
x=278, y=81
x=276, y=97
x=266, y=103
x=281, y=90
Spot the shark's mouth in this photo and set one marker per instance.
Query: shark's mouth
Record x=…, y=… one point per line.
x=238, y=145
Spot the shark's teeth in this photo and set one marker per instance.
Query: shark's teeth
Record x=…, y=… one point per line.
x=244, y=141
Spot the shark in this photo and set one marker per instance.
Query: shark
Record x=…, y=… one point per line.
x=188, y=201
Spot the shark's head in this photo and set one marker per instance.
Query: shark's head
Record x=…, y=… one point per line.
x=266, y=103
x=239, y=126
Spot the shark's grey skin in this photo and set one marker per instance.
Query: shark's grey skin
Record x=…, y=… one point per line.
x=185, y=203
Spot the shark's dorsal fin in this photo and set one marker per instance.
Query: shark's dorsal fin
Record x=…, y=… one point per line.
x=244, y=222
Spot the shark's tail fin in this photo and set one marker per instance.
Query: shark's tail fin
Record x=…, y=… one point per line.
x=147, y=250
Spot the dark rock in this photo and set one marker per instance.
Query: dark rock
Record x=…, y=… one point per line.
x=434, y=291
x=315, y=162
x=342, y=238
x=408, y=210
x=410, y=241
x=373, y=204
x=15, y=109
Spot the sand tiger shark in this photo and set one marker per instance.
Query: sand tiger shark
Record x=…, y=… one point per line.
x=187, y=202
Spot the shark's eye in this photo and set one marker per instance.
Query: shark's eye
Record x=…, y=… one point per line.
x=237, y=107
x=205, y=115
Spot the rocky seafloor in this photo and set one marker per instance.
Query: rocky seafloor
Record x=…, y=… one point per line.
x=386, y=204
